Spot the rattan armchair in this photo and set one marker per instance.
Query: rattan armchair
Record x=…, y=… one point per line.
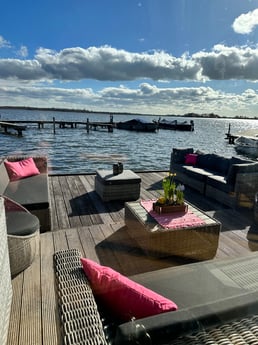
x=22, y=235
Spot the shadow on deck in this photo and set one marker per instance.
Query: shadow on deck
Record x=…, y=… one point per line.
x=81, y=220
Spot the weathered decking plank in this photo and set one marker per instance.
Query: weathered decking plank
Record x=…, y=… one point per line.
x=81, y=220
x=31, y=321
x=50, y=318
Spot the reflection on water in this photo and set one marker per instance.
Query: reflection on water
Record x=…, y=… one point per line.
x=73, y=150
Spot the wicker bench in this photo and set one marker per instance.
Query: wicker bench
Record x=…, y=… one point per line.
x=222, y=312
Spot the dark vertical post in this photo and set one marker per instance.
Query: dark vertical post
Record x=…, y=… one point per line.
x=54, y=125
x=87, y=125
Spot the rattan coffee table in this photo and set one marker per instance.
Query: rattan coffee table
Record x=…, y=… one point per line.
x=198, y=242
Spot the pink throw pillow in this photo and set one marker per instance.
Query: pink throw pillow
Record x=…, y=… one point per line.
x=191, y=159
x=126, y=298
x=20, y=169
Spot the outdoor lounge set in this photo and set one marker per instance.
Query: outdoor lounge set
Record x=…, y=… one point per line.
x=231, y=181
x=217, y=303
x=208, y=302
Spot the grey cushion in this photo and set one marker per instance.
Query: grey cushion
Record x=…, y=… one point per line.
x=213, y=162
x=238, y=160
x=21, y=223
x=178, y=155
x=178, y=168
x=219, y=182
x=197, y=173
x=106, y=177
x=37, y=195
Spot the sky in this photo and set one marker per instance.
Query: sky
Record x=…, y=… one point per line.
x=148, y=56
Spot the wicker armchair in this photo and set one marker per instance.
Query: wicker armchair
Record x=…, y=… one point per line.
x=22, y=235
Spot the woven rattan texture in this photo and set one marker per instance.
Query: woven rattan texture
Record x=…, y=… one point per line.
x=241, y=332
x=81, y=323
x=22, y=248
x=5, y=278
x=198, y=242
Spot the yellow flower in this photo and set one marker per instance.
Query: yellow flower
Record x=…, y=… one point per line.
x=161, y=200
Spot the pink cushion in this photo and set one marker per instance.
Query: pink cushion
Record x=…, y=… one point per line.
x=124, y=297
x=191, y=158
x=20, y=169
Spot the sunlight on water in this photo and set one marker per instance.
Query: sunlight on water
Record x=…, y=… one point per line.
x=76, y=151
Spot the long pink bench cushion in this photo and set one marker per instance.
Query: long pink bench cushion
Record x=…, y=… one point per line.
x=21, y=169
x=122, y=296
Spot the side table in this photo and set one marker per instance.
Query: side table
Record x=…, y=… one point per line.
x=199, y=242
x=125, y=186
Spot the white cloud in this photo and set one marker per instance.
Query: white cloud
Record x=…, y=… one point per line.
x=246, y=23
x=107, y=63
x=4, y=43
x=23, y=51
x=110, y=64
x=145, y=98
x=228, y=63
x=26, y=82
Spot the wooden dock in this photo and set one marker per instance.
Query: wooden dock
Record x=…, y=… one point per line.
x=13, y=126
x=41, y=124
x=81, y=220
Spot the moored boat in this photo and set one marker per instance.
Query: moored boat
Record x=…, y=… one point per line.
x=137, y=125
x=175, y=125
x=247, y=145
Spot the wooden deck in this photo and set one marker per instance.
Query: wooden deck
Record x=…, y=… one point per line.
x=81, y=220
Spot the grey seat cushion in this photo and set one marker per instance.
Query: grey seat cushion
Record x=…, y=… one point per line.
x=197, y=173
x=179, y=154
x=105, y=177
x=38, y=191
x=219, y=182
x=21, y=223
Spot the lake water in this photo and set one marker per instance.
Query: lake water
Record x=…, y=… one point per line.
x=73, y=150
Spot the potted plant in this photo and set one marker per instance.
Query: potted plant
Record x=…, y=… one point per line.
x=172, y=199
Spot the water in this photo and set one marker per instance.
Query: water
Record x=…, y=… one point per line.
x=73, y=150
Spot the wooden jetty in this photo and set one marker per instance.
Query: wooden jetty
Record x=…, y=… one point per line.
x=61, y=124
x=81, y=220
x=11, y=125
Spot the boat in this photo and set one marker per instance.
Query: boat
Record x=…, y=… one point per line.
x=138, y=125
x=247, y=145
x=175, y=125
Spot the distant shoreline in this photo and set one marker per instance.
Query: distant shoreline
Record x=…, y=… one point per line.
x=194, y=115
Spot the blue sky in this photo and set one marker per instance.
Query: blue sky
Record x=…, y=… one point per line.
x=151, y=56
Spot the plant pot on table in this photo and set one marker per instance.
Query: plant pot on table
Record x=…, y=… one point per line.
x=169, y=208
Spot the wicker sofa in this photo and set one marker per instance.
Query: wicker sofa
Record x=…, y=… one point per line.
x=209, y=295
x=231, y=181
x=31, y=192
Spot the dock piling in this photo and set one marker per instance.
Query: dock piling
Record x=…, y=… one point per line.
x=54, y=125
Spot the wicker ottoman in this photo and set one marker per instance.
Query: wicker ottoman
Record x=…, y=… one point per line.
x=125, y=186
